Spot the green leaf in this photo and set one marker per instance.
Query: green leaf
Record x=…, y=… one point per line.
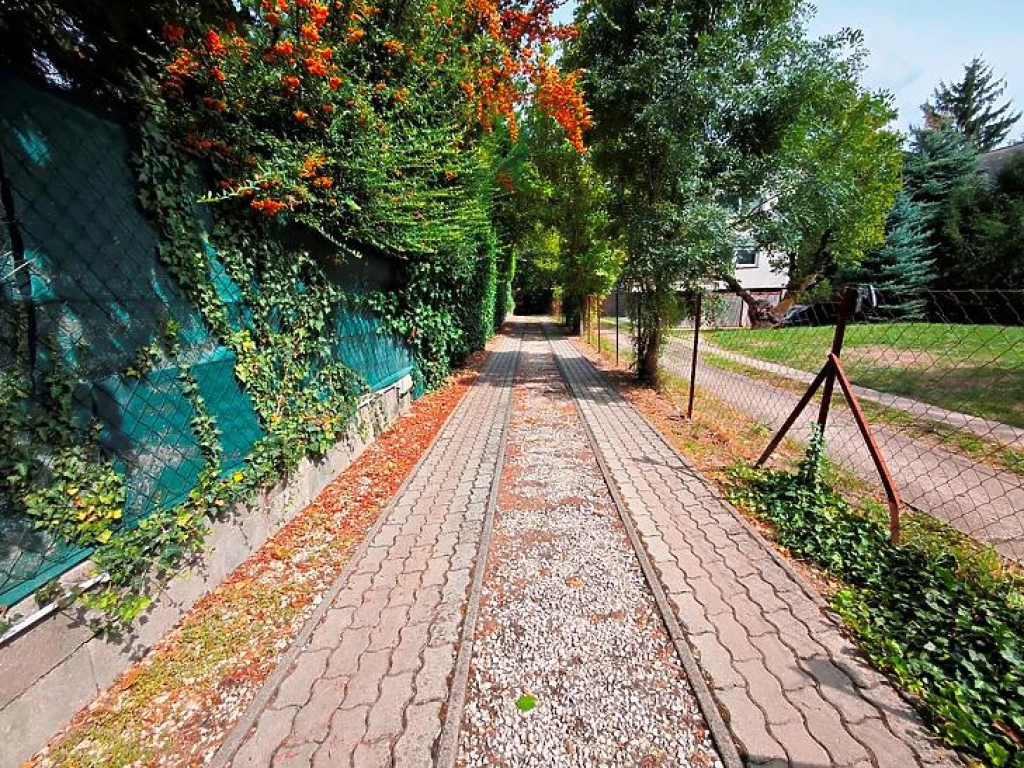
x=526, y=702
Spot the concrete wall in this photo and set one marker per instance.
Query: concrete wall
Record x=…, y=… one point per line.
x=58, y=665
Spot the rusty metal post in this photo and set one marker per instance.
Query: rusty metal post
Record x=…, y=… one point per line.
x=827, y=372
x=693, y=361
x=616, y=327
x=599, y=306
x=847, y=306
x=891, y=494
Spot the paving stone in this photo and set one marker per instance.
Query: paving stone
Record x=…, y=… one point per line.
x=271, y=730
x=297, y=687
x=423, y=725
x=347, y=729
x=771, y=643
x=826, y=726
x=295, y=756
x=377, y=755
x=313, y=721
x=432, y=678
x=345, y=657
x=792, y=688
x=749, y=726
x=386, y=716
x=328, y=634
x=888, y=750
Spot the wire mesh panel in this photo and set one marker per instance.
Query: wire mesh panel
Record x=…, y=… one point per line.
x=84, y=295
x=940, y=376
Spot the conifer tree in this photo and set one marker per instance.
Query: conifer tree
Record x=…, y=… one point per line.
x=972, y=107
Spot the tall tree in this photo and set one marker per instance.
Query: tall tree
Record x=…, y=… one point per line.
x=972, y=106
x=941, y=173
x=903, y=268
x=697, y=103
x=835, y=173
x=554, y=206
x=982, y=230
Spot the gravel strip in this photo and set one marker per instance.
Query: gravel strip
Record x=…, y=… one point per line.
x=567, y=622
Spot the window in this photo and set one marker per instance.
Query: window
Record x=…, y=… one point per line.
x=746, y=256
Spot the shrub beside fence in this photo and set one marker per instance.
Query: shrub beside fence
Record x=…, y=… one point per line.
x=98, y=340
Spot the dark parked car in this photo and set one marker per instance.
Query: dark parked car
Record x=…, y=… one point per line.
x=825, y=312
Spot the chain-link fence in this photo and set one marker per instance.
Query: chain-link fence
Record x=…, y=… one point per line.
x=83, y=292
x=939, y=376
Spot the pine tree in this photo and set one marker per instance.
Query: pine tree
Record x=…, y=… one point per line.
x=903, y=268
x=940, y=170
x=971, y=107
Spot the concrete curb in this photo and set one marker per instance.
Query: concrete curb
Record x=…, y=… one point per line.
x=447, y=751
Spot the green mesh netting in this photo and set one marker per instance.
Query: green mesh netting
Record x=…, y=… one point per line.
x=92, y=292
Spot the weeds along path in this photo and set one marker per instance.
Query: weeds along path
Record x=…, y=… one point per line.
x=572, y=663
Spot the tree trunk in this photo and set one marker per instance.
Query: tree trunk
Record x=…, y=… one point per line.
x=760, y=311
x=649, y=356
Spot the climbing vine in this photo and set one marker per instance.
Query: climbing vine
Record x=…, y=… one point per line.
x=277, y=141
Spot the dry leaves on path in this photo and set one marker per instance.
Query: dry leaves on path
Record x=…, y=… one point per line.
x=176, y=706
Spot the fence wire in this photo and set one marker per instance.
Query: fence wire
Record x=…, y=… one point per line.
x=83, y=292
x=939, y=374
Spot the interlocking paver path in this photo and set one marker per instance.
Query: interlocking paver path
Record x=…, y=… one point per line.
x=369, y=685
x=382, y=674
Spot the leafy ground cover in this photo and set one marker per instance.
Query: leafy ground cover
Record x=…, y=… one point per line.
x=941, y=614
x=176, y=706
x=950, y=629
x=974, y=369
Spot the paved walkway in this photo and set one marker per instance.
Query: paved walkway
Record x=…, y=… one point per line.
x=566, y=614
x=976, y=498
x=368, y=685
x=388, y=671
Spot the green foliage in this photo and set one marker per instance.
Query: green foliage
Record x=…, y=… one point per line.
x=526, y=702
x=949, y=628
x=974, y=227
x=274, y=146
x=71, y=489
x=903, y=267
x=835, y=174
x=554, y=217
x=970, y=107
x=982, y=230
x=700, y=103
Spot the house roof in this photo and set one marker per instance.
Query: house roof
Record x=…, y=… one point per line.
x=992, y=162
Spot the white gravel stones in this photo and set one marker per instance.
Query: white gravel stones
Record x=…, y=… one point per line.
x=566, y=615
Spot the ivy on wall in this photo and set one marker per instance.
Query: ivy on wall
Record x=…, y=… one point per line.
x=365, y=127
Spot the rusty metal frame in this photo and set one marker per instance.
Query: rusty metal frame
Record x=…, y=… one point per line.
x=833, y=371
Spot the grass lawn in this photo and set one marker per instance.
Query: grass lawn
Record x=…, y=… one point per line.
x=974, y=369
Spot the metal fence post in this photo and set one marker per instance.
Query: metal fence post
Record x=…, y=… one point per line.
x=599, y=308
x=847, y=306
x=616, y=328
x=693, y=361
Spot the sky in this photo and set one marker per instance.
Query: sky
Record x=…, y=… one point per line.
x=915, y=44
